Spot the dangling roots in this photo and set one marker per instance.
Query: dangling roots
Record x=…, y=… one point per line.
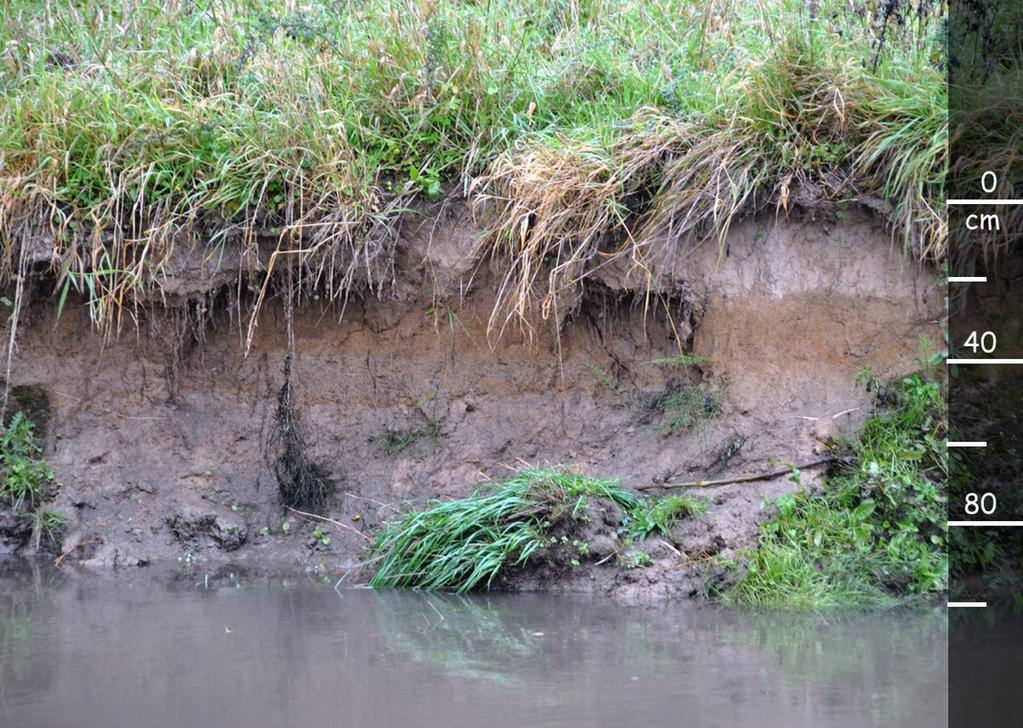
x=301, y=483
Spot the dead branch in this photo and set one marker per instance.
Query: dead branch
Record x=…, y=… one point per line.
x=744, y=478
x=345, y=526
x=60, y=559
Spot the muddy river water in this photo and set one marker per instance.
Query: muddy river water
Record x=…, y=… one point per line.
x=191, y=650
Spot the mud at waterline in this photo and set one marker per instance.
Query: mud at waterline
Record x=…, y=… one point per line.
x=160, y=448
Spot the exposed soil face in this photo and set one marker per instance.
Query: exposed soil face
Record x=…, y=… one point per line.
x=161, y=446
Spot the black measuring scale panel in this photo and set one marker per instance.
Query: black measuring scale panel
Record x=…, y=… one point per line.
x=985, y=366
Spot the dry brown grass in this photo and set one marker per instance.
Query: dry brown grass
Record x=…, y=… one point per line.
x=144, y=129
x=554, y=213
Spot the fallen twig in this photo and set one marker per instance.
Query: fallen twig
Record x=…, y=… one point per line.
x=349, y=494
x=60, y=559
x=829, y=417
x=358, y=567
x=743, y=478
x=329, y=520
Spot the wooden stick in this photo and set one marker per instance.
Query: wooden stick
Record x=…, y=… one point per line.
x=57, y=562
x=742, y=478
x=345, y=526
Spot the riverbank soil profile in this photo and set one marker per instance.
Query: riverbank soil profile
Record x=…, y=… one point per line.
x=161, y=451
x=642, y=302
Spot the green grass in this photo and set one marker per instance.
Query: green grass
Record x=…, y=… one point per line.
x=395, y=442
x=25, y=479
x=579, y=129
x=658, y=515
x=688, y=406
x=611, y=384
x=47, y=527
x=681, y=406
x=467, y=544
x=680, y=361
x=25, y=476
x=877, y=532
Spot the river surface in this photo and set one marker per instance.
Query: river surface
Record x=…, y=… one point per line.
x=192, y=651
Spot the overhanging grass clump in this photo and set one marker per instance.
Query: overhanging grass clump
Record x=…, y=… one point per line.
x=467, y=544
x=878, y=530
x=132, y=128
x=804, y=125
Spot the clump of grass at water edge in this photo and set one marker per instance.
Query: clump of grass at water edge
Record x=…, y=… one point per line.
x=876, y=534
x=470, y=543
x=25, y=481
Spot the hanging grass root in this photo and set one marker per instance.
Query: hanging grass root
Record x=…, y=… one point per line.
x=298, y=139
x=301, y=483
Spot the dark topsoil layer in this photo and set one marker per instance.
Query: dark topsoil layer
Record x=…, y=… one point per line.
x=158, y=436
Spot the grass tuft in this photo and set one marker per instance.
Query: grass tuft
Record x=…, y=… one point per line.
x=879, y=528
x=25, y=476
x=660, y=514
x=395, y=442
x=688, y=406
x=466, y=544
x=680, y=361
x=47, y=527
x=470, y=543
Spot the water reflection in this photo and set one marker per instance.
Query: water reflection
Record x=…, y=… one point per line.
x=889, y=667
x=99, y=652
x=22, y=593
x=465, y=637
